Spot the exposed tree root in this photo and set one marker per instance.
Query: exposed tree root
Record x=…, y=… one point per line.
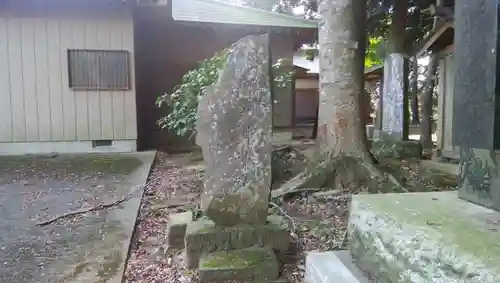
x=340, y=172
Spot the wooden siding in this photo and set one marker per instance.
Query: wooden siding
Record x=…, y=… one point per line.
x=37, y=102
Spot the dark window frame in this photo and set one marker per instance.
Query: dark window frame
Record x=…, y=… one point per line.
x=99, y=86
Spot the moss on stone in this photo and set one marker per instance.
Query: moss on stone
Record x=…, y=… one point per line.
x=387, y=146
x=424, y=235
x=203, y=236
x=119, y=164
x=237, y=259
x=246, y=265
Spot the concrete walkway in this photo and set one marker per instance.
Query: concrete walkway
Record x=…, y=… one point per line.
x=90, y=247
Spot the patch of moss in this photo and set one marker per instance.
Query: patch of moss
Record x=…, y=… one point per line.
x=236, y=259
x=73, y=164
x=446, y=219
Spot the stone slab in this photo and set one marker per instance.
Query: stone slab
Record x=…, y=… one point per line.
x=476, y=89
x=446, y=167
x=479, y=177
x=424, y=237
x=391, y=148
x=176, y=229
x=332, y=266
x=202, y=235
x=246, y=265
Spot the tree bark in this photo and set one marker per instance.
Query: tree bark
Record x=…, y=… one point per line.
x=415, y=119
x=342, y=45
x=397, y=31
x=426, y=119
x=315, y=127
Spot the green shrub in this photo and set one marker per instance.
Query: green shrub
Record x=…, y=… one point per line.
x=181, y=105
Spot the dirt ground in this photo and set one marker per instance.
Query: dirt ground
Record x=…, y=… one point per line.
x=318, y=222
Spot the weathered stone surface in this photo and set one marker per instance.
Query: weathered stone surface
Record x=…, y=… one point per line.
x=476, y=90
x=203, y=235
x=424, y=237
x=476, y=100
x=246, y=265
x=389, y=147
x=393, y=96
x=234, y=131
x=326, y=267
x=479, y=177
x=176, y=229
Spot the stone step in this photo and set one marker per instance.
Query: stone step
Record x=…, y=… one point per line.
x=245, y=265
x=424, y=237
x=334, y=266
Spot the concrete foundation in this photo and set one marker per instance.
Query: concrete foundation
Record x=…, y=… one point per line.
x=333, y=266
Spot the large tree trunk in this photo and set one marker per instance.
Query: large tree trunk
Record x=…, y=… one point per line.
x=426, y=121
x=342, y=46
x=343, y=159
x=415, y=119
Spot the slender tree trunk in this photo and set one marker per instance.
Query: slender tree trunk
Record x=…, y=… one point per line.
x=342, y=45
x=426, y=119
x=415, y=119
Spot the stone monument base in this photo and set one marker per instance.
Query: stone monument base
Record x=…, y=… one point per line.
x=387, y=146
x=424, y=237
x=241, y=253
x=245, y=265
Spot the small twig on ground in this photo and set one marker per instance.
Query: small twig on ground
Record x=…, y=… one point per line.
x=344, y=240
x=283, y=213
x=100, y=206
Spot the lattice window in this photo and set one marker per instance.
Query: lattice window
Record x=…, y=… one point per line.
x=98, y=69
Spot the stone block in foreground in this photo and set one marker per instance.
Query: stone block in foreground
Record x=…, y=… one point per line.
x=176, y=230
x=203, y=235
x=424, y=237
x=332, y=266
x=390, y=148
x=246, y=265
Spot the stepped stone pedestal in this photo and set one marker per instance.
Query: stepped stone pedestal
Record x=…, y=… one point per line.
x=204, y=236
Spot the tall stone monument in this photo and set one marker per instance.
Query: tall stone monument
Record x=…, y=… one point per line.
x=236, y=239
x=389, y=140
x=393, y=96
x=234, y=130
x=477, y=100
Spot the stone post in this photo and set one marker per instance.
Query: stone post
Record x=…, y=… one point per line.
x=476, y=101
x=390, y=140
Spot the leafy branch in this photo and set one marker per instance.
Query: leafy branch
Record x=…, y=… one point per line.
x=181, y=105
